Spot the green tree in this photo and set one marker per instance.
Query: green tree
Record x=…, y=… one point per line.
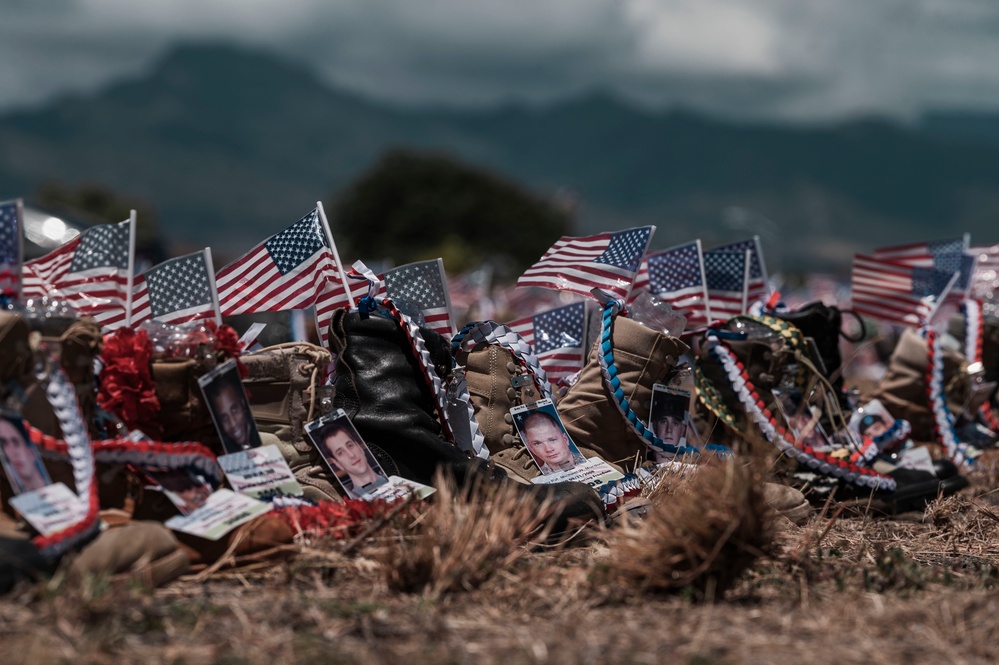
x=412, y=206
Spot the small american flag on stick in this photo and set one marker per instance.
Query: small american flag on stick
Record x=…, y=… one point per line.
x=177, y=291
x=92, y=272
x=608, y=261
x=558, y=337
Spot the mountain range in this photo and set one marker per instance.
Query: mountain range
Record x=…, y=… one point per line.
x=231, y=145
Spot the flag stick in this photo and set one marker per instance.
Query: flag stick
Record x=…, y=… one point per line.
x=132, y=219
x=211, y=285
x=943, y=296
x=336, y=254
x=19, y=294
x=704, y=282
x=745, y=281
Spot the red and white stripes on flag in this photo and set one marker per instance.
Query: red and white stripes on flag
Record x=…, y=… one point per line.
x=558, y=337
x=894, y=292
x=608, y=261
x=294, y=269
x=179, y=290
x=92, y=272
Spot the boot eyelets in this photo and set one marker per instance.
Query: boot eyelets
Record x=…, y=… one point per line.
x=511, y=367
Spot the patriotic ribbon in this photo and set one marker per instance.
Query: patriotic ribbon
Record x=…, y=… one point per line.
x=608, y=368
x=779, y=436
x=62, y=397
x=896, y=434
x=368, y=303
x=147, y=454
x=490, y=332
x=974, y=333
x=943, y=420
x=460, y=408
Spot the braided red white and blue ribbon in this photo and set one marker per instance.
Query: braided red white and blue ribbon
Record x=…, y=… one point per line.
x=974, y=333
x=896, y=434
x=369, y=304
x=779, y=436
x=62, y=397
x=943, y=420
x=609, y=369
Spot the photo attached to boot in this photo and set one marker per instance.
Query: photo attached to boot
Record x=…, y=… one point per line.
x=186, y=489
x=22, y=463
x=802, y=419
x=227, y=402
x=346, y=455
x=669, y=418
x=541, y=429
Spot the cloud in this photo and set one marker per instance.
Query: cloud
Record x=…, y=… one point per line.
x=747, y=58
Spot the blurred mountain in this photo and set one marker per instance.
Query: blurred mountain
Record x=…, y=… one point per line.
x=231, y=145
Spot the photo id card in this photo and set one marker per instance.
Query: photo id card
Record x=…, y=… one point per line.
x=226, y=400
x=345, y=454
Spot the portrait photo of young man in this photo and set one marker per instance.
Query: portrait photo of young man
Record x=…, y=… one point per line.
x=21, y=461
x=547, y=441
x=230, y=409
x=347, y=456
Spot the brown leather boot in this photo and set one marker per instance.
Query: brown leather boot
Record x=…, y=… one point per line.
x=643, y=357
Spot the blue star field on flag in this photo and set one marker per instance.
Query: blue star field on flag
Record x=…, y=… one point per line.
x=559, y=328
x=626, y=248
x=675, y=270
x=297, y=244
x=178, y=284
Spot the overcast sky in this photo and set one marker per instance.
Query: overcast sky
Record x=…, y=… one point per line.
x=800, y=59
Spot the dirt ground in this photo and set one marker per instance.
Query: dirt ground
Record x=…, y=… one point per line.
x=847, y=586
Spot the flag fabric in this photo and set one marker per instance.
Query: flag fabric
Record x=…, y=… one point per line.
x=940, y=254
x=286, y=271
x=11, y=249
x=558, y=337
x=758, y=287
x=176, y=291
x=725, y=281
x=894, y=292
x=676, y=275
x=422, y=286
x=608, y=261
x=92, y=272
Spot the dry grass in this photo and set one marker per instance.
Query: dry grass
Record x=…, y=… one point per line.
x=701, y=536
x=462, y=539
x=841, y=588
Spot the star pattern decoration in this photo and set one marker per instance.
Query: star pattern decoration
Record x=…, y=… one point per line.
x=929, y=281
x=421, y=284
x=946, y=254
x=559, y=328
x=178, y=284
x=675, y=270
x=755, y=270
x=626, y=249
x=9, y=233
x=724, y=270
x=103, y=246
x=296, y=244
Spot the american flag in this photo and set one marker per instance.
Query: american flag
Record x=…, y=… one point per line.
x=92, y=272
x=422, y=286
x=609, y=261
x=293, y=269
x=725, y=280
x=676, y=275
x=558, y=337
x=948, y=256
x=895, y=292
x=176, y=291
x=758, y=287
x=11, y=249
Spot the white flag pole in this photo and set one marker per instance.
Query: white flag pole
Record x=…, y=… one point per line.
x=942, y=296
x=745, y=281
x=19, y=293
x=211, y=285
x=704, y=282
x=336, y=254
x=132, y=220
x=763, y=266
x=447, y=296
